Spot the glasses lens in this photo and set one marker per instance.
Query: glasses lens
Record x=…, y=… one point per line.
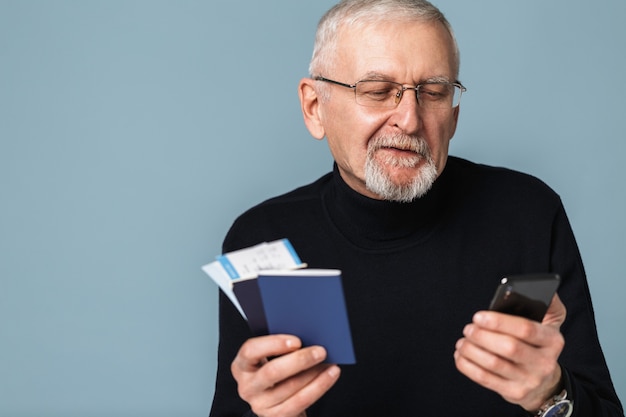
x=439, y=95
x=377, y=93
x=387, y=94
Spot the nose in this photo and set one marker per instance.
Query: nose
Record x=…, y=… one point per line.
x=406, y=115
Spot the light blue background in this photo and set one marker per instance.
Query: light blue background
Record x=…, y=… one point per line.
x=133, y=132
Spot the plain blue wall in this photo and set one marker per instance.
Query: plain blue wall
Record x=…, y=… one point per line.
x=133, y=132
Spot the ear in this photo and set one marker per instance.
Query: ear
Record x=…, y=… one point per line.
x=455, y=120
x=310, y=105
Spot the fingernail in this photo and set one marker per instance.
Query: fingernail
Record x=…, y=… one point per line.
x=292, y=343
x=479, y=318
x=318, y=353
x=467, y=331
x=334, y=371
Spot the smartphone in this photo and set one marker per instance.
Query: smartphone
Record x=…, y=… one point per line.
x=526, y=295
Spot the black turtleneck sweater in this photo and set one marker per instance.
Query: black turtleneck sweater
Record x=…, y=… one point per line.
x=413, y=276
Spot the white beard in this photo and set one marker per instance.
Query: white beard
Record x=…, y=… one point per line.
x=377, y=179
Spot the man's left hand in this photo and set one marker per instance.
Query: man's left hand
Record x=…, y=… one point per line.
x=514, y=356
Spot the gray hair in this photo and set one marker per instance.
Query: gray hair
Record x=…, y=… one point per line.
x=365, y=12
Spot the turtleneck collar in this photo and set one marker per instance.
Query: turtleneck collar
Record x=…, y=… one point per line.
x=371, y=223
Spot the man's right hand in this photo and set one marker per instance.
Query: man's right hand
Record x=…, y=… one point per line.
x=286, y=385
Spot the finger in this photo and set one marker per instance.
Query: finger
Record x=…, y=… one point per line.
x=486, y=360
x=295, y=394
x=529, y=331
x=474, y=371
x=290, y=371
x=313, y=391
x=287, y=366
x=526, y=387
x=495, y=373
x=255, y=351
x=502, y=345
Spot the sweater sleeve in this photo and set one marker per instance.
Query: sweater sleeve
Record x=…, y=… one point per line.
x=233, y=332
x=593, y=393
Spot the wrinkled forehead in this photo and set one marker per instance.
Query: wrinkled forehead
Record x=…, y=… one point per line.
x=401, y=42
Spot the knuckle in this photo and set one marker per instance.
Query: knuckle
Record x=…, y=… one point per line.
x=246, y=350
x=238, y=368
x=510, y=349
x=481, y=376
x=271, y=372
x=461, y=351
x=234, y=368
x=518, y=394
x=494, y=320
x=528, y=330
x=461, y=364
x=548, y=368
x=245, y=392
x=559, y=343
x=493, y=362
x=258, y=408
x=532, y=382
x=306, y=358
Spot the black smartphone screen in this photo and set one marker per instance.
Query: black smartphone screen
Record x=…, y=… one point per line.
x=525, y=295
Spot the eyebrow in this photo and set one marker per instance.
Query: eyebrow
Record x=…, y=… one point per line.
x=378, y=76
x=373, y=75
x=438, y=79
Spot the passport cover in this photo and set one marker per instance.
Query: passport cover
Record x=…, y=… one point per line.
x=308, y=303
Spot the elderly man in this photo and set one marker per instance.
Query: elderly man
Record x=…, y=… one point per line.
x=422, y=240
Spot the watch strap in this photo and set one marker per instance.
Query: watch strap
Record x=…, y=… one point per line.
x=563, y=397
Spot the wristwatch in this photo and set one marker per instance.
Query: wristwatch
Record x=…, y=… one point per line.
x=557, y=406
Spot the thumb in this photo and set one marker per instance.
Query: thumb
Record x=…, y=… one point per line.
x=555, y=316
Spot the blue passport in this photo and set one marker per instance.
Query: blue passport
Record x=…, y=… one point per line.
x=308, y=303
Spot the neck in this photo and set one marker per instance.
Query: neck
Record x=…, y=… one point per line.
x=372, y=222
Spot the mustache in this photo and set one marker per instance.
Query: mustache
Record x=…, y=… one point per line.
x=400, y=141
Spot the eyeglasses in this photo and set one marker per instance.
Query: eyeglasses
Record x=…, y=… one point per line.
x=430, y=95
